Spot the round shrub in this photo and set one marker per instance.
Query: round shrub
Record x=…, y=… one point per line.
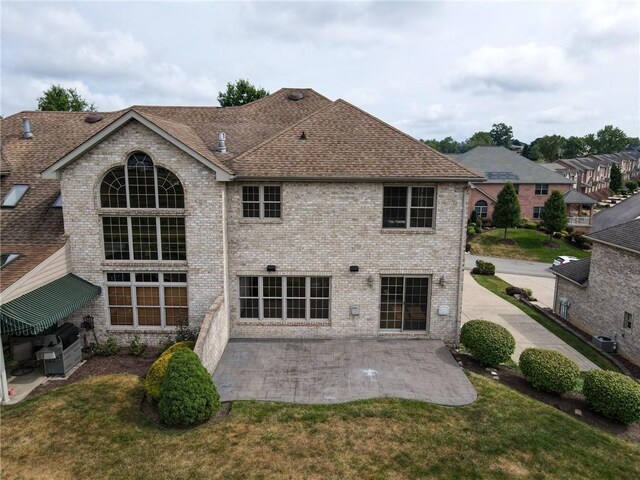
x=188, y=395
x=471, y=230
x=612, y=394
x=484, y=268
x=489, y=343
x=548, y=370
x=155, y=375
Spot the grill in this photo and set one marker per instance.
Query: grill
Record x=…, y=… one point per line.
x=61, y=350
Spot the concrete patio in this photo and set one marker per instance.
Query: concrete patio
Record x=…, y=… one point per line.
x=341, y=370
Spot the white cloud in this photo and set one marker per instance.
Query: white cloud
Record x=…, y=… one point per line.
x=524, y=68
x=566, y=114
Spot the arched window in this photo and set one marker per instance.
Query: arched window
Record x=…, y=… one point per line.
x=481, y=208
x=141, y=185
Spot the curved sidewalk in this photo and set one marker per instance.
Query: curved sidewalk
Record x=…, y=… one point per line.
x=480, y=303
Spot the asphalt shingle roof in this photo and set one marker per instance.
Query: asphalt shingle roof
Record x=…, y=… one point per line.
x=577, y=271
x=575, y=197
x=626, y=235
x=501, y=165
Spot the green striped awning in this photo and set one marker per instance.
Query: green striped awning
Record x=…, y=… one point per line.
x=34, y=312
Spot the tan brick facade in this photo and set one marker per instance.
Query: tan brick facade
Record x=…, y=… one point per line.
x=613, y=288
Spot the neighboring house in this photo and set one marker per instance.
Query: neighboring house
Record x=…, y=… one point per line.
x=601, y=295
x=499, y=165
x=292, y=216
x=591, y=175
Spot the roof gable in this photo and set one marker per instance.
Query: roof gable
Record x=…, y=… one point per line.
x=625, y=236
x=341, y=141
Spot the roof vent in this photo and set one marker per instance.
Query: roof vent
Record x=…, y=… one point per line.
x=222, y=146
x=93, y=118
x=295, y=96
x=26, y=129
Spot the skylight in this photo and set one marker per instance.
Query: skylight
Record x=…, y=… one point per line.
x=7, y=258
x=58, y=202
x=14, y=196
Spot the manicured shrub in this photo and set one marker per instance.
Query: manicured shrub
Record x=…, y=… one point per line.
x=155, y=375
x=489, y=343
x=484, y=268
x=528, y=224
x=136, y=348
x=108, y=348
x=188, y=395
x=471, y=230
x=631, y=185
x=548, y=370
x=511, y=290
x=612, y=394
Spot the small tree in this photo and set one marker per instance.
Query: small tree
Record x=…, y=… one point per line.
x=506, y=211
x=240, y=93
x=501, y=134
x=60, y=99
x=554, y=213
x=615, y=182
x=474, y=217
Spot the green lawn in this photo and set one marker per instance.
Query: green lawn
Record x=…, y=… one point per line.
x=497, y=285
x=94, y=429
x=529, y=245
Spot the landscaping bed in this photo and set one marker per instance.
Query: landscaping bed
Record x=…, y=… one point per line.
x=568, y=403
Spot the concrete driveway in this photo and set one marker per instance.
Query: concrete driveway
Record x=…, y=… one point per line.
x=341, y=370
x=543, y=287
x=480, y=303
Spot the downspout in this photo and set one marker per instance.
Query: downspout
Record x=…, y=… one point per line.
x=463, y=238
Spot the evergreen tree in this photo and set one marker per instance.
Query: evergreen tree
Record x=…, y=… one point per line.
x=506, y=212
x=554, y=213
x=615, y=182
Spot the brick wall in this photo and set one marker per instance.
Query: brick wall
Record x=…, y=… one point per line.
x=204, y=217
x=527, y=197
x=325, y=228
x=613, y=288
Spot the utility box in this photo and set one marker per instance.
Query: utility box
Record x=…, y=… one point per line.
x=355, y=310
x=443, y=310
x=606, y=344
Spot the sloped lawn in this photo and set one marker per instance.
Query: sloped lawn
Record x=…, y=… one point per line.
x=94, y=429
x=529, y=245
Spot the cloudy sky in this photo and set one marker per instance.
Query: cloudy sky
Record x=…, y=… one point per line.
x=430, y=68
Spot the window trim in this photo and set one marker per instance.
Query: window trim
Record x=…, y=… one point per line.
x=261, y=203
x=533, y=212
x=627, y=320
x=133, y=284
x=541, y=189
x=408, y=226
x=20, y=195
x=429, y=278
x=284, y=298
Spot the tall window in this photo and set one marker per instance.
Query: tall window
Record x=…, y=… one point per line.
x=542, y=189
x=147, y=299
x=261, y=201
x=537, y=212
x=403, y=303
x=481, y=208
x=284, y=298
x=408, y=207
x=142, y=185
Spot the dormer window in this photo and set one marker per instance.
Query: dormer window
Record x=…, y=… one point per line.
x=14, y=196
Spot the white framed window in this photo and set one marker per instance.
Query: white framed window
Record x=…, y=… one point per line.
x=261, y=201
x=144, y=238
x=481, y=207
x=404, y=302
x=537, y=212
x=14, y=196
x=147, y=299
x=284, y=298
x=628, y=320
x=408, y=207
x=542, y=189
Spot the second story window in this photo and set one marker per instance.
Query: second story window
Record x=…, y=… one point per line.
x=542, y=189
x=261, y=201
x=408, y=207
x=14, y=196
x=144, y=238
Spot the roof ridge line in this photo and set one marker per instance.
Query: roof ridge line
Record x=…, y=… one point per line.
x=413, y=139
x=280, y=133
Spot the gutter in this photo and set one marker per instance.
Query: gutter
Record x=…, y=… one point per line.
x=357, y=179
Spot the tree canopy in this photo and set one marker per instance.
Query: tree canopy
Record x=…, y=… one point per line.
x=501, y=134
x=554, y=213
x=506, y=211
x=549, y=147
x=59, y=99
x=240, y=93
x=479, y=139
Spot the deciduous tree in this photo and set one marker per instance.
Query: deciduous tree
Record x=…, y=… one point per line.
x=549, y=147
x=59, y=99
x=240, y=93
x=501, y=134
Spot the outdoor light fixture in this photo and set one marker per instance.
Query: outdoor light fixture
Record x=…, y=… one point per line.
x=370, y=281
x=354, y=268
x=441, y=281
x=271, y=268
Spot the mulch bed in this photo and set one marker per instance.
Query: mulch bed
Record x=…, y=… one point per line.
x=567, y=403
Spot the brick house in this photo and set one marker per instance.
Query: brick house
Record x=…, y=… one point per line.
x=499, y=165
x=601, y=295
x=292, y=216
